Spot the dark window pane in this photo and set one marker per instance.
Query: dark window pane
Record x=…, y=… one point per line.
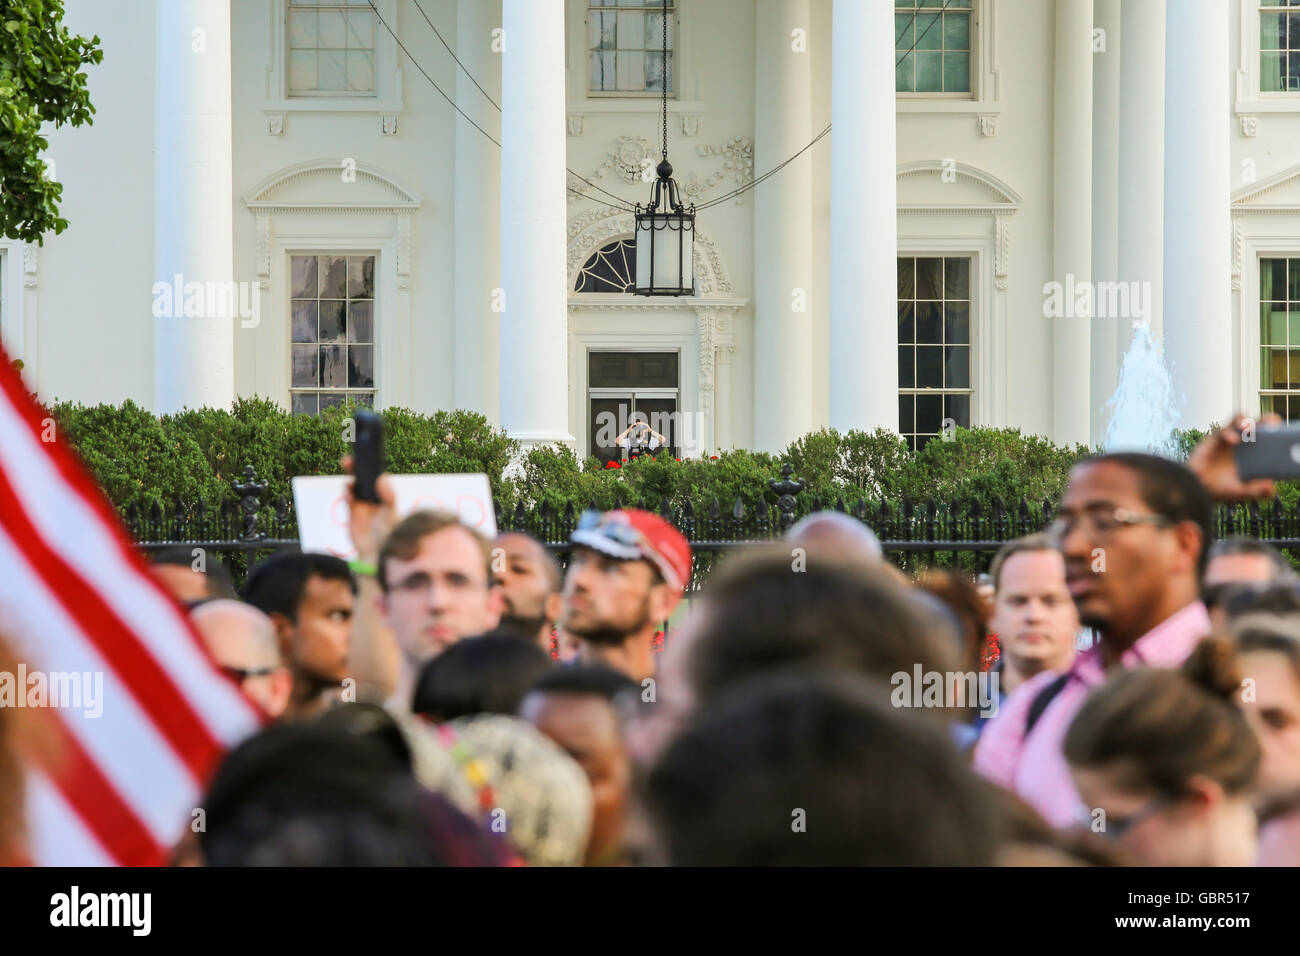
x=956, y=323
x=957, y=407
x=956, y=278
x=304, y=403
x=906, y=373
x=361, y=277
x=1272, y=279
x=907, y=414
x=1293, y=279
x=929, y=322
x=906, y=323
x=929, y=72
x=956, y=72
x=330, y=401
x=333, y=366
x=304, y=365
x=929, y=366
x=956, y=366
x=333, y=322
x=334, y=277
x=606, y=416
x=906, y=277
x=363, y=398
x=302, y=283
x=929, y=414
x=361, y=322
x=659, y=414
x=929, y=278
x=919, y=442
x=304, y=321
x=361, y=366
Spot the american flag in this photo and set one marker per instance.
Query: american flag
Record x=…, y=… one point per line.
x=122, y=787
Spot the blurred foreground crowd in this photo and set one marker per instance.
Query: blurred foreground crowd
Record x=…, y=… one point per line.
x=447, y=699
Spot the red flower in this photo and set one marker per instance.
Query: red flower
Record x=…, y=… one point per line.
x=713, y=458
x=678, y=459
x=612, y=464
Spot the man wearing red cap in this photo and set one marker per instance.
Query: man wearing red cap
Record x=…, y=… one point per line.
x=628, y=571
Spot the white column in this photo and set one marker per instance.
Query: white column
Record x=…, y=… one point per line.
x=1072, y=218
x=1198, y=228
x=782, y=228
x=477, y=212
x=1142, y=160
x=193, y=356
x=534, y=322
x=1105, y=206
x=864, y=224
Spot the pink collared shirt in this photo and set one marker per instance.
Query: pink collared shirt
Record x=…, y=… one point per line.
x=1035, y=768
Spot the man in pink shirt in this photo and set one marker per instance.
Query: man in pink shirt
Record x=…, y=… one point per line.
x=1134, y=531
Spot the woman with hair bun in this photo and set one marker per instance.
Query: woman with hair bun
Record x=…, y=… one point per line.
x=1168, y=762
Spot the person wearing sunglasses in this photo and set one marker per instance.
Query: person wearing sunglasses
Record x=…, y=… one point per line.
x=1133, y=530
x=628, y=572
x=242, y=641
x=1167, y=763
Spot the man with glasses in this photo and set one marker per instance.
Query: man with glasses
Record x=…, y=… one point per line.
x=1134, y=531
x=242, y=641
x=627, y=574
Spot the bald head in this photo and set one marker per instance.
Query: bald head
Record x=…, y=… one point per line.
x=836, y=535
x=237, y=634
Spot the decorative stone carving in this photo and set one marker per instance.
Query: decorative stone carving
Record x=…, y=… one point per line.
x=1249, y=126
x=263, y=249
x=29, y=265
x=690, y=124
x=403, y=250
x=1002, y=252
x=1238, y=242
x=275, y=124
x=388, y=124
x=988, y=124
x=633, y=154
x=575, y=124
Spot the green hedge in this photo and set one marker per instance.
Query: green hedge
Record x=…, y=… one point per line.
x=139, y=458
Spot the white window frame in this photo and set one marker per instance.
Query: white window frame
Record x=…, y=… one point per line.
x=1248, y=339
x=387, y=97
x=18, y=326
x=985, y=81
x=675, y=92
x=685, y=96
x=1250, y=101
x=288, y=321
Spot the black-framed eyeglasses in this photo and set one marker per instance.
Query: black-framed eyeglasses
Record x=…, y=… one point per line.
x=1102, y=522
x=241, y=674
x=1117, y=829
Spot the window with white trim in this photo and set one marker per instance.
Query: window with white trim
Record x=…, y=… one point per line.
x=331, y=48
x=625, y=40
x=934, y=346
x=332, y=331
x=1279, y=337
x=932, y=46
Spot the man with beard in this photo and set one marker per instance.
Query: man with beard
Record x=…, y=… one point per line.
x=628, y=572
x=1134, y=531
x=310, y=599
x=530, y=580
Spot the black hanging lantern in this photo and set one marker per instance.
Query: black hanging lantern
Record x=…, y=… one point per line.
x=665, y=230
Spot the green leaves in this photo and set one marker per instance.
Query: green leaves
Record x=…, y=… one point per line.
x=40, y=81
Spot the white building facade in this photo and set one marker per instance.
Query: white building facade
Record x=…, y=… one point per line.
x=275, y=200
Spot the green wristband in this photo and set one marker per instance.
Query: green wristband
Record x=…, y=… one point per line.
x=358, y=566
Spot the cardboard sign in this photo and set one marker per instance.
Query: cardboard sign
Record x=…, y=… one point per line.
x=322, y=506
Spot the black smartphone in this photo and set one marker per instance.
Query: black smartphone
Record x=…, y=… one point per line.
x=368, y=454
x=1274, y=453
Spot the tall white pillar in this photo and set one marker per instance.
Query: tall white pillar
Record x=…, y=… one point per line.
x=864, y=225
x=782, y=228
x=477, y=212
x=194, y=360
x=534, y=321
x=1142, y=160
x=1072, y=218
x=1198, y=228
x=1105, y=206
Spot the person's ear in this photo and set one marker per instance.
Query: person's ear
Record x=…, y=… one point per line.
x=664, y=599
x=553, y=606
x=283, y=635
x=1190, y=541
x=1204, y=794
x=496, y=603
x=281, y=689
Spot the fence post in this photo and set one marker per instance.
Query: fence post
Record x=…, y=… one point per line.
x=787, y=488
x=250, y=492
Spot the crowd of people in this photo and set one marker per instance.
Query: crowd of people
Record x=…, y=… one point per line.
x=1119, y=689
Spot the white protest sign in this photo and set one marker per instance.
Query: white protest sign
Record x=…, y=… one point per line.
x=321, y=502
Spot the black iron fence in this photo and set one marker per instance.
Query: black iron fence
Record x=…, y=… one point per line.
x=915, y=534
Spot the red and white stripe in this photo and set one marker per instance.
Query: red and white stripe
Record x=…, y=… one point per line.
x=75, y=597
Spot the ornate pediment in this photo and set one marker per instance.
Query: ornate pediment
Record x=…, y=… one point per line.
x=947, y=186
x=1277, y=193
x=331, y=184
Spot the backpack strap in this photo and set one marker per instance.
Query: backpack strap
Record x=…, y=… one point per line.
x=1043, y=700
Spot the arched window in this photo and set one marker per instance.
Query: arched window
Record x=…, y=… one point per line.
x=612, y=268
